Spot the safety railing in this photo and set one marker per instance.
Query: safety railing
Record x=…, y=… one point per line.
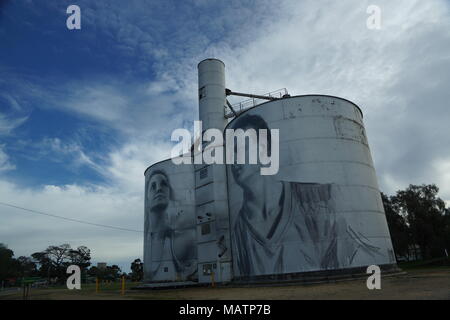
x=252, y=102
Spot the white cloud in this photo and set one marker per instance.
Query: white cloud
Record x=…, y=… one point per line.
x=8, y=124
x=5, y=164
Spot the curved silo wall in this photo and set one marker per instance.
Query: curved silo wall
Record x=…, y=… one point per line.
x=322, y=210
x=170, y=252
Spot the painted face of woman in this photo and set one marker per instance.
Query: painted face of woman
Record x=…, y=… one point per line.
x=243, y=172
x=158, y=192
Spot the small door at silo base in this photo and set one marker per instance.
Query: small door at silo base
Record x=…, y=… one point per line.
x=217, y=272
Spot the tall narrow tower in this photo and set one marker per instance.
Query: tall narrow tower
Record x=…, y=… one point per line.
x=211, y=93
x=211, y=194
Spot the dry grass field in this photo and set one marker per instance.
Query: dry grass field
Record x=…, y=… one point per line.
x=429, y=283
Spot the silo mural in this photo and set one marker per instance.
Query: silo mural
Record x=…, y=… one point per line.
x=321, y=214
x=323, y=210
x=170, y=252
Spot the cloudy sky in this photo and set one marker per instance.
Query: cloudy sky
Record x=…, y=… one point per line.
x=84, y=112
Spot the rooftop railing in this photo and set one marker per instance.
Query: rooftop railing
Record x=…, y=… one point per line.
x=252, y=102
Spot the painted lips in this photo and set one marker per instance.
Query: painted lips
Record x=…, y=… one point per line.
x=159, y=196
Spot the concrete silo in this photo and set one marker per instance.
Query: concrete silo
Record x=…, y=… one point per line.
x=319, y=216
x=322, y=212
x=170, y=251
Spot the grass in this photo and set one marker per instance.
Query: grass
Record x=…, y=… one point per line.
x=103, y=287
x=112, y=289
x=423, y=280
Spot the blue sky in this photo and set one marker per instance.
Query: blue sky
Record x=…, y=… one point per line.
x=84, y=112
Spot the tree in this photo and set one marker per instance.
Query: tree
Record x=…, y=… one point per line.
x=109, y=273
x=137, y=270
x=93, y=271
x=398, y=227
x=424, y=213
x=113, y=272
x=80, y=256
x=54, y=260
x=58, y=254
x=44, y=264
x=6, y=262
x=26, y=267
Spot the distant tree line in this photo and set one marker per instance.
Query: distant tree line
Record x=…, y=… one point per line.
x=418, y=218
x=51, y=264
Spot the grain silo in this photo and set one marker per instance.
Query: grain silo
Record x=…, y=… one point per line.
x=319, y=216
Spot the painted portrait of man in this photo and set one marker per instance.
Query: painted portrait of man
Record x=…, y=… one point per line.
x=169, y=233
x=286, y=226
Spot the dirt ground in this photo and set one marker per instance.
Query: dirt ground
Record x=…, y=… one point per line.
x=416, y=284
